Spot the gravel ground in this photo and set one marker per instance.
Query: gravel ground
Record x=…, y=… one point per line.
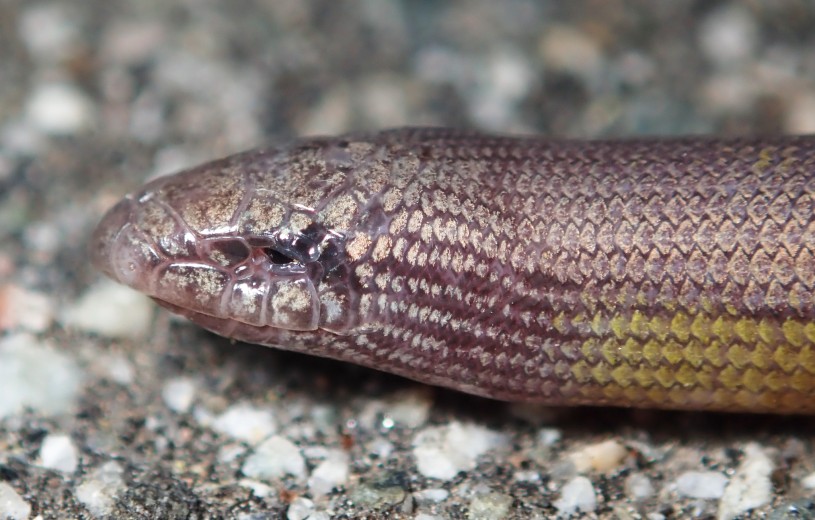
x=110, y=408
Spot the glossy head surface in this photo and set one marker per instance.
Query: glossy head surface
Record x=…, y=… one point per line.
x=257, y=237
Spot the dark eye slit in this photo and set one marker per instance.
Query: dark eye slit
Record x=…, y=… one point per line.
x=276, y=257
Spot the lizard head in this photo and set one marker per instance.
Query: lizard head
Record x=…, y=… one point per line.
x=258, y=238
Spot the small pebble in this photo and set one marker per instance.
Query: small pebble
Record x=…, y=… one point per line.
x=98, y=491
x=504, y=78
x=117, y=367
x=603, y=457
x=381, y=448
x=244, y=422
x=179, y=394
x=300, y=509
x=111, y=310
x=59, y=453
x=259, y=489
x=324, y=418
x=728, y=34
x=21, y=308
x=12, y=505
x=36, y=375
x=751, y=485
x=432, y=495
x=50, y=31
x=549, y=436
x=639, y=486
x=274, y=458
x=576, y=495
x=410, y=409
x=59, y=108
x=229, y=452
x=809, y=481
x=701, y=484
x=491, y=506
x=330, y=473
x=527, y=476
x=443, y=451
x=318, y=451
x=379, y=495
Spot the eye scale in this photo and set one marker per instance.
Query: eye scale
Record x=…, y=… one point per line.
x=654, y=273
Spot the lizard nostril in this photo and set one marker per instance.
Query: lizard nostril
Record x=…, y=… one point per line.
x=228, y=252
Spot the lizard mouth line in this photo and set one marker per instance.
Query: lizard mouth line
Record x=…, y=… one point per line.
x=206, y=320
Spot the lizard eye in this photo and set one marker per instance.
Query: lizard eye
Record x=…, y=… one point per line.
x=277, y=257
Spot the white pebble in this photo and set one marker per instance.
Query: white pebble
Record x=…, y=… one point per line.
x=330, y=473
x=300, y=509
x=316, y=452
x=112, y=310
x=49, y=31
x=58, y=453
x=381, y=448
x=750, y=486
x=432, y=495
x=36, y=375
x=229, y=452
x=809, y=481
x=728, y=34
x=259, y=489
x=246, y=423
x=12, y=505
x=443, y=451
x=59, y=108
x=603, y=457
x=118, y=368
x=99, y=490
x=178, y=394
x=504, y=79
x=576, y=495
x=701, y=484
x=274, y=458
x=24, y=309
x=549, y=436
x=410, y=409
x=639, y=486
x=527, y=476
x=22, y=137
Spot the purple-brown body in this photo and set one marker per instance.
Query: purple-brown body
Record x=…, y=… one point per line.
x=671, y=273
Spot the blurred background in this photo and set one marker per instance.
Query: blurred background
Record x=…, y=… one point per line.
x=98, y=95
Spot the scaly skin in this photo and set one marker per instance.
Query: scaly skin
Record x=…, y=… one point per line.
x=675, y=273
